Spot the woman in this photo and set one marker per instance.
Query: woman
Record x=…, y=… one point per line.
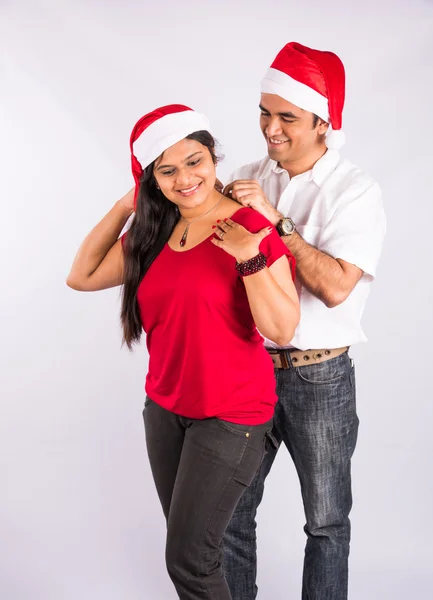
x=201, y=275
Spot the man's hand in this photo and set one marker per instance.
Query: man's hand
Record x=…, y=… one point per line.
x=249, y=193
x=218, y=186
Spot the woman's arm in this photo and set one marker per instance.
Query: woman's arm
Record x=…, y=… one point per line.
x=271, y=292
x=274, y=301
x=98, y=264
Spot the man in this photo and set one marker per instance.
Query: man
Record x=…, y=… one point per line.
x=330, y=215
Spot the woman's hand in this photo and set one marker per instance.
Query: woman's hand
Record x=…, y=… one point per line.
x=238, y=241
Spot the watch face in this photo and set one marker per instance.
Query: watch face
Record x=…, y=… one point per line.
x=288, y=226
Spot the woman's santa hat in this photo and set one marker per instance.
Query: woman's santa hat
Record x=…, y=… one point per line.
x=312, y=80
x=157, y=131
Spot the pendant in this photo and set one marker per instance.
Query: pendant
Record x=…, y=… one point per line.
x=183, y=238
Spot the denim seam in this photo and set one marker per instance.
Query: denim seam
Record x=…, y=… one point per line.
x=337, y=379
x=313, y=382
x=219, y=502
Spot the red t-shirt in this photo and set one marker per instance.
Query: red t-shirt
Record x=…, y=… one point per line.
x=206, y=357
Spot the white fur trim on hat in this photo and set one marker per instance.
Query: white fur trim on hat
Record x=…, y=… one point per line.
x=335, y=139
x=165, y=132
x=301, y=95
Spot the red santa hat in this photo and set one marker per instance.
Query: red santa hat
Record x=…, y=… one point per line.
x=312, y=80
x=157, y=131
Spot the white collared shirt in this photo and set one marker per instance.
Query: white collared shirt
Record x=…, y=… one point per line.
x=337, y=209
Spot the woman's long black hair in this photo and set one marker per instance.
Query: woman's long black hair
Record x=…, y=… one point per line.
x=153, y=224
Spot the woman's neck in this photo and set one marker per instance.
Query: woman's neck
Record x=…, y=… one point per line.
x=197, y=211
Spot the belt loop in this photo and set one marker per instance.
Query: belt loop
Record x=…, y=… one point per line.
x=287, y=359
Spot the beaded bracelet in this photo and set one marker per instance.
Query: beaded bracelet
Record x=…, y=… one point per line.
x=254, y=265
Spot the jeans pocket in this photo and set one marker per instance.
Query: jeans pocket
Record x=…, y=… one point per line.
x=251, y=461
x=235, y=427
x=328, y=372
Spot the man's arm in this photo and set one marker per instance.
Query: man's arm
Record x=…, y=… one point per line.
x=329, y=279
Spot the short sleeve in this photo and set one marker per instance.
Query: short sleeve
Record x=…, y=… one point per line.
x=272, y=245
x=356, y=231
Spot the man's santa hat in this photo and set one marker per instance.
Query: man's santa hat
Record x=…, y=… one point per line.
x=312, y=80
x=157, y=131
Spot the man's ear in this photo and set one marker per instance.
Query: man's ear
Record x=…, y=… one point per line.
x=322, y=127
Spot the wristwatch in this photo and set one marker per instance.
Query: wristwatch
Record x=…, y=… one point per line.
x=286, y=226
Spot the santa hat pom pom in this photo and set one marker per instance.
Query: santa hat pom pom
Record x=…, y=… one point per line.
x=335, y=139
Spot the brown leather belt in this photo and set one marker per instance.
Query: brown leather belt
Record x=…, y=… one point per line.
x=302, y=358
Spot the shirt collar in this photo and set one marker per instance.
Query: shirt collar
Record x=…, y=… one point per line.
x=319, y=173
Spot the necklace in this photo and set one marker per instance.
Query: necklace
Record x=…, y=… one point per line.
x=185, y=233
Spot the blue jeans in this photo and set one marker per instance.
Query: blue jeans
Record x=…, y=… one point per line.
x=316, y=419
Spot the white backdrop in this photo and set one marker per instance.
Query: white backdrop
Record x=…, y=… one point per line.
x=79, y=515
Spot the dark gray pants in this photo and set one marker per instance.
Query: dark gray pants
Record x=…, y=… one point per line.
x=201, y=468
